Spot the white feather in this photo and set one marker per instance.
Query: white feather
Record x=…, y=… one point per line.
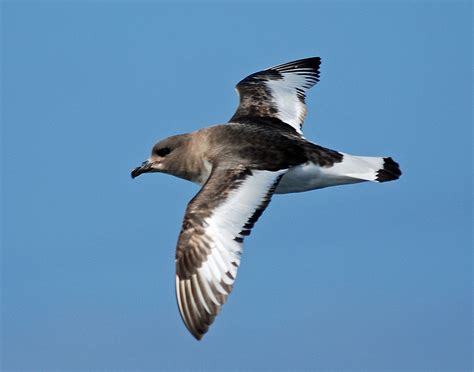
x=290, y=109
x=310, y=176
x=226, y=222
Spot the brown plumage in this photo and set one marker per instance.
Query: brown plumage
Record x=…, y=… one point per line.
x=241, y=164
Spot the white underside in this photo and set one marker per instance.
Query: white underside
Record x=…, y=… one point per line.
x=309, y=176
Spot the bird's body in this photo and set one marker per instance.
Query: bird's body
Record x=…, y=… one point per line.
x=309, y=166
x=240, y=165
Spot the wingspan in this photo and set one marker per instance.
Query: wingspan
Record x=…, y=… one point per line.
x=277, y=93
x=210, y=243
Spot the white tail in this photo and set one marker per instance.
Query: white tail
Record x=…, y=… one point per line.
x=352, y=169
x=366, y=168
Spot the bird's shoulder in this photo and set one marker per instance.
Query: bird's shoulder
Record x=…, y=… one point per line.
x=259, y=145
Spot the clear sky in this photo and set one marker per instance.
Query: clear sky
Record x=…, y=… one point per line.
x=362, y=277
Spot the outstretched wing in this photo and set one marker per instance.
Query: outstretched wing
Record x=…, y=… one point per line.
x=211, y=240
x=277, y=93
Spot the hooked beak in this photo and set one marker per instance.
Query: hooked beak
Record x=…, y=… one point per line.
x=144, y=168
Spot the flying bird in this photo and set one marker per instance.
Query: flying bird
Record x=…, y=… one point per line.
x=259, y=152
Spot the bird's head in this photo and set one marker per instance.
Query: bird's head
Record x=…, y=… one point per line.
x=165, y=156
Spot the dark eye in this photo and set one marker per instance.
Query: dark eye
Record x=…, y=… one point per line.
x=163, y=151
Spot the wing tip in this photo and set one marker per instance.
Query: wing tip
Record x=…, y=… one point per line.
x=198, y=336
x=197, y=323
x=305, y=63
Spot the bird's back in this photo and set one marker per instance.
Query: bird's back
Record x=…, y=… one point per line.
x=264, y=145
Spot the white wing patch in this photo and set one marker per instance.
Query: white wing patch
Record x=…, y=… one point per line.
x=288, y=97
x=277, y=93
x=201, y=296
x=226, y=223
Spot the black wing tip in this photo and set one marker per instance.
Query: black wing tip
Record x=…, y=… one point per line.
x=304, y=62
x=198, y=336
x=306, y=66
x=390, y=172
x=312, y=63
x=197, y=332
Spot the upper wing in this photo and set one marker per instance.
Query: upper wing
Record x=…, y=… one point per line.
x=278, y=92
x=211, y=240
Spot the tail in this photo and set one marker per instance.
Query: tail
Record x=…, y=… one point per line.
x=350, y=169
x=365, y=168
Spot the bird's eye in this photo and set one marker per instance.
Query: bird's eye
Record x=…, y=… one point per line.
x=163, y=151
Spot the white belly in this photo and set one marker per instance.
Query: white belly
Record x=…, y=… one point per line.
x=309, y=176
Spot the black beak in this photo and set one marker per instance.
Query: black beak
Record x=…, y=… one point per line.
x=145, y=167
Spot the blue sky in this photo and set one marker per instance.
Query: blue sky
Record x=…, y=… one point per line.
x=362, y=277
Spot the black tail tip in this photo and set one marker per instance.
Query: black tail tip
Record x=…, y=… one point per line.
x=391, y=171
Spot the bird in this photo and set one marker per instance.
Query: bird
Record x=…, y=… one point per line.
x=239, y=165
